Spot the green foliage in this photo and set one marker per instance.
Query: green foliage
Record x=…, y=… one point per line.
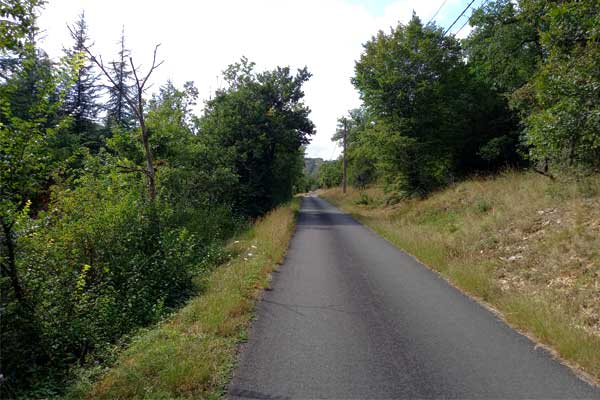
x=562, y=101
x=361, y=155
x=118, y=111
x=429, y=117
x=542, y=56
x=261, y=124
x=17, y=25
x=83, y=92
x=364, y=200
x=504, y=46
x=311, y=166
x=310, y=175
x=86, y=256
x=330, y=174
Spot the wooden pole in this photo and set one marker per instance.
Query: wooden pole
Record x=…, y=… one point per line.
x=345, y=161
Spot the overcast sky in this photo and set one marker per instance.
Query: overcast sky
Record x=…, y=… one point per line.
x=200, y=38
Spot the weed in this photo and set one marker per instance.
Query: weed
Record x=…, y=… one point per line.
x=483, y=206
x=364, y=199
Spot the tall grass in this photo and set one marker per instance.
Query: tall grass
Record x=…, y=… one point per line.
x=526, y=245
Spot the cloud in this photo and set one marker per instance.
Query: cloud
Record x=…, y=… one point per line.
x=200, y=38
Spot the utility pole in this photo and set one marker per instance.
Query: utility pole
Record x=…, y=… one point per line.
x=345, y=161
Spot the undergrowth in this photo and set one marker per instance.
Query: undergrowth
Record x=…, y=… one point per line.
x=192, y=353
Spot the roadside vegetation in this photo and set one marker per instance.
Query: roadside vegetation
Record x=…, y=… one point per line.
x=521, y=94
x=191, y=354
x=115, y=202
x=522, y=90
x=526, y=245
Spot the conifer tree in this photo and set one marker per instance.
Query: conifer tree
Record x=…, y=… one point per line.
x=81, y=98
x=118, y=110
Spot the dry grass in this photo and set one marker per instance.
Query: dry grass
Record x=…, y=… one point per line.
x=191, y=354
x=528, y=246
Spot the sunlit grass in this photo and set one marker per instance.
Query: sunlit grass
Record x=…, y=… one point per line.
x=191, y=355
x=528, y=246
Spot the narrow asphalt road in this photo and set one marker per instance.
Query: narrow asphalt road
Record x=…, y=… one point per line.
x=351, y=316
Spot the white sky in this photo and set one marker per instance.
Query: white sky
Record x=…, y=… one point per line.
x=200, y=38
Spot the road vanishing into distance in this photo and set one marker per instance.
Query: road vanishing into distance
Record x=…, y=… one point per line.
x=351, y=316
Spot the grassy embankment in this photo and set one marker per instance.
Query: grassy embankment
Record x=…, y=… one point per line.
x=525, y=245
x=191, y=354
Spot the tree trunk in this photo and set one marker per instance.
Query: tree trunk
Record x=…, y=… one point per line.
x=149, y=162
x=10, y=269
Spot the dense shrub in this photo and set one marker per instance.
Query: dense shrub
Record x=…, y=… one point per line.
x=97, y=257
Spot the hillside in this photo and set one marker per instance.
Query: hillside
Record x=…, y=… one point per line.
x=524, y=244
x=311, y=166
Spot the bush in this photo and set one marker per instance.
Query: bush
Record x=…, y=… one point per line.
x=99, y=263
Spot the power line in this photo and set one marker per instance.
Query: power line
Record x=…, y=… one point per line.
x=457, y=18
x=468, y=19
x=334, y=149
x=436, y=13
x=460, y=29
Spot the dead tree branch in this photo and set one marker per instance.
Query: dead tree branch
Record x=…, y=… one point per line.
x=136, y=102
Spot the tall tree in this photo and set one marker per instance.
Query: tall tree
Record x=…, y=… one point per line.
x=81, y=101
x=118, y=111
x=541, y=57
x=413, y=80
x=561, y=103
x=504, y=47
x=28, y=119
x=262, y=121
x=504, y=52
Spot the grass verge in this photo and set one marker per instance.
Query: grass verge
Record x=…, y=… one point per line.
x=527, y=246
x=191, y=354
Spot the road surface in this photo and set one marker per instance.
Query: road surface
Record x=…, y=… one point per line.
x=351, y=316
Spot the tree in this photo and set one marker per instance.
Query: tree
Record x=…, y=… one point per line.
x=540, y=56
x=81, y=101
x=135, y=100
x=330, y=174
x=17, y=24
x=29, y=120
x=361, y=160
x=262, y=123
x=561, y=103
x=415, y=83
x=504, y=52
x=118, y=110
x=504, y=48
x=29, y=102
x=194, y=171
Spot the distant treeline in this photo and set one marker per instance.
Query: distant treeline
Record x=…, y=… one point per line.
x=522, y=90
x=111, y=203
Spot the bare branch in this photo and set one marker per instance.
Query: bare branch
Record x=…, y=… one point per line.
x=137, y=80
x=153, y=67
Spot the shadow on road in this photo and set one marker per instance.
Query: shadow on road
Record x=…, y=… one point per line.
x=313, y=214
